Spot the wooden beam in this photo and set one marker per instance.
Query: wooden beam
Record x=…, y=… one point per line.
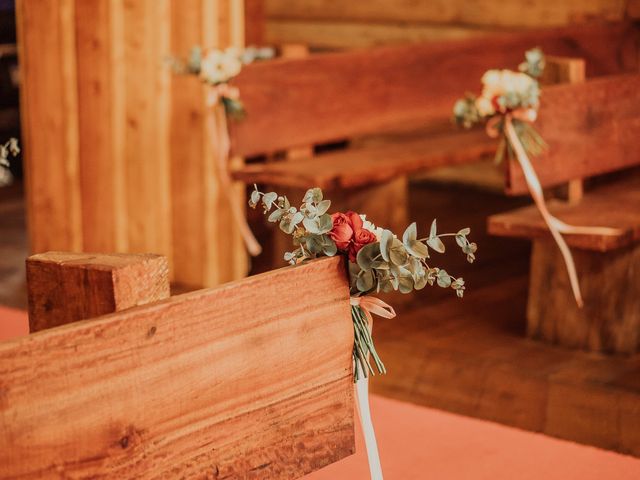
x=251, y=380
x=50, y=123
x=67, y=287
x=591, y=128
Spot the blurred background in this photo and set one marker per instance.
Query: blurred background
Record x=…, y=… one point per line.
x=116, y=159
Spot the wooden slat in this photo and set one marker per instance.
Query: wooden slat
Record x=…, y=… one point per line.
x=358, y=167
x=50, y=123
x=515, y=13
x=616, y=205
x=101, y=98
x=591, y=128
x=252, y=380
x=330, y=96
x=67, y=287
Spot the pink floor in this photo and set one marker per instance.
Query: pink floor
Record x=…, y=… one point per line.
x=419, y=443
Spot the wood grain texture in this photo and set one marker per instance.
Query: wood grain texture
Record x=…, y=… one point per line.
x=101, y=100
x=616, y=205
x=340, y=95
x=591, y=128
x=50, y=123
x=206, y=245
x=610, y=319
x=372, y=164
x=516, y=13
x=67, y=287
x=251, y=380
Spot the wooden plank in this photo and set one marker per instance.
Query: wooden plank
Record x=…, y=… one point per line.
x=101, y=98
x=365, y=90
x=50, y=123
x=481, y=12
x=146, y=152
x=375, y=164
x=591, y=128
x=345, y=35
x=616, y=205
x=67, y=287
x=208, y=384
x=206, y=246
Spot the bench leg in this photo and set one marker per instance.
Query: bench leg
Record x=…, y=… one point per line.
x=609, y=321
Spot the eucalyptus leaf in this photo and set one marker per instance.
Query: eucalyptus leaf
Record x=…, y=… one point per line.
x=329, y=249
x=276, y=215
x=367, y=254
x=397, y=254
x=410, y=234
x=311, y=225
x=325, y=223
x=443, y=279
x=365, y=281
x=417, y=249
x=323, y=207
x=313, y=195
x=297, y=218
x=255, y=197
x=436, y=244
x=433, y=231
x=268, y=199
x=405, y=284
x=386, y=239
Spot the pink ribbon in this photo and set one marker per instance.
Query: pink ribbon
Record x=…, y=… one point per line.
x=556, y=226
x=218, y=129
x=373, y=305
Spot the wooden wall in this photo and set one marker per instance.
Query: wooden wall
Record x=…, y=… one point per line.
x=344, y=24
x=117, y=159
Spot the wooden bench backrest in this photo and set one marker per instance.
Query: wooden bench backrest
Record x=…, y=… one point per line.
x=591, y=128
x=249, y=380
x=294, y=102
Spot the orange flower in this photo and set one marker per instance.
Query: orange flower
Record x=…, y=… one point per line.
x=349, y=234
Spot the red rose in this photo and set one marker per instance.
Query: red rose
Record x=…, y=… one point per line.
x=360, y=238
x=349, y=234
x=341, y=233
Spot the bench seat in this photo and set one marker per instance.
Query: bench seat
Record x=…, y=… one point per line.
x=615, y=205
x=372, y=162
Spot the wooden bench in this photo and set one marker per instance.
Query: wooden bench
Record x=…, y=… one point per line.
x=299, y=102
x=402, y=93
x=249, y=380
x=592, y=128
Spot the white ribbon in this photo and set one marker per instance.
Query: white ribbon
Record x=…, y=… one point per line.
x=556, y=227
x=362, y=391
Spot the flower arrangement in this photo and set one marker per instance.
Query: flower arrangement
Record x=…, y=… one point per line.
x=217, y=67
x=10, y=147
x=507, y=94
x=378, y=260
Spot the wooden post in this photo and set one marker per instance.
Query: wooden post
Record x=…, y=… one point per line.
x=566, y=70
x=67, y=287
x=609, y=321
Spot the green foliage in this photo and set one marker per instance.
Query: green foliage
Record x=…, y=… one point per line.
x=384, y=265
x=9, y=148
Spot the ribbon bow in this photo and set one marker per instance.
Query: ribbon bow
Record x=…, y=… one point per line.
x=556, y=226
x=373, y=305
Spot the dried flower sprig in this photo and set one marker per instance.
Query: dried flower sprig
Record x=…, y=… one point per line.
x=217, y=67
x=506, y=92
x=378, y=260
x=10, y=147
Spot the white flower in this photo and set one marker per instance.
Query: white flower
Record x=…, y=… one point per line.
x=220, y=66
x=485, y=107
x=367, y=225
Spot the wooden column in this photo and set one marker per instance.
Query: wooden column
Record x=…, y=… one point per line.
x=117, y=157
x=207, y=247
x=67, y=287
